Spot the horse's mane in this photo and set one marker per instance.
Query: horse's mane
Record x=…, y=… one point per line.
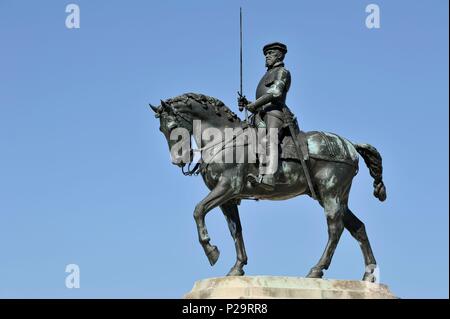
x=207, y=101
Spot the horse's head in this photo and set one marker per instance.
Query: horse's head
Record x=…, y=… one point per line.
x=177, y=132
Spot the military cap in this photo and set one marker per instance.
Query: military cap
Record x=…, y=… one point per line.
x=276, y=45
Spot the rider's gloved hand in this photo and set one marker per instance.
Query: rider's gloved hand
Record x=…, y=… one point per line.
x=242, y=102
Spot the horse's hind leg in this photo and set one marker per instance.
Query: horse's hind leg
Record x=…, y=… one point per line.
x=358, y=231
x=334, y=211
x=230, y=210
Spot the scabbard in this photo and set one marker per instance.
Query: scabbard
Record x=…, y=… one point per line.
x=301, y=155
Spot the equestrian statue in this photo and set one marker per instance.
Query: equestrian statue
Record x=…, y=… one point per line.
x=321, y=165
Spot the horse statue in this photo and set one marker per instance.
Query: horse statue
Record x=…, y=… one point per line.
x=333, y=162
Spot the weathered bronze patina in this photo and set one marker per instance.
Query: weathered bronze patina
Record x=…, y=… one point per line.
x=332, y=162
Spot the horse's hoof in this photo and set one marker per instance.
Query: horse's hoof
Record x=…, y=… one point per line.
x=315, y=273
x=369, y=277
x=236, y=271
x=213, y=255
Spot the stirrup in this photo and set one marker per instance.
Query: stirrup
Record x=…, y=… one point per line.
x=252, y=178
x=258, y=181
x=268, y=187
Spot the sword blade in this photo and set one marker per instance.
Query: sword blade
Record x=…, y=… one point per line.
x=240, y=51
x=240, y=61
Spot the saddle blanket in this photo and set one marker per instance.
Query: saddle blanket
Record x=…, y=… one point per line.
x=321, y=145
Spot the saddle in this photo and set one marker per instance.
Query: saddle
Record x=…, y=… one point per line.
x=317, y=145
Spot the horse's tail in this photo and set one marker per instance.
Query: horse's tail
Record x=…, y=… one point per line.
x=374, y=162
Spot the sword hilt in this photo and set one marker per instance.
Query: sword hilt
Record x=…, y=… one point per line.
x=241, y=97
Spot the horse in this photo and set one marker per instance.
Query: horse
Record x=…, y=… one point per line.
x=229, y=183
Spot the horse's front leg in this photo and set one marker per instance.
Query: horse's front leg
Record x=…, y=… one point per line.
x=230, y=210
x=219, y=195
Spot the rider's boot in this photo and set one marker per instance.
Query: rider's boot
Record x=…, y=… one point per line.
x=269, y=160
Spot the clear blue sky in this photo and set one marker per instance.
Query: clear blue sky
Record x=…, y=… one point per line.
x=85, y=176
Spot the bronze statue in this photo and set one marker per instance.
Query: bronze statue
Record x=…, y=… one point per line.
x=332, y=164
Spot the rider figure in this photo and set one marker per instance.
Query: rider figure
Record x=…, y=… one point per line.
x=270, y=104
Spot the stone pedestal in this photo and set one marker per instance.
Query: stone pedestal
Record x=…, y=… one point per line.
x=256, y=287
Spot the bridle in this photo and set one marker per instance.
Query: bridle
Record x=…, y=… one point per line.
x=197, y=169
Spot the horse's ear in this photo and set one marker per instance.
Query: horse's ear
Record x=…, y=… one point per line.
x=154, y=108
x=164, y=105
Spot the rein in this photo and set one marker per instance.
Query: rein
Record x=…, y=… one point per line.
x=196, y=170
x=197, y=167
